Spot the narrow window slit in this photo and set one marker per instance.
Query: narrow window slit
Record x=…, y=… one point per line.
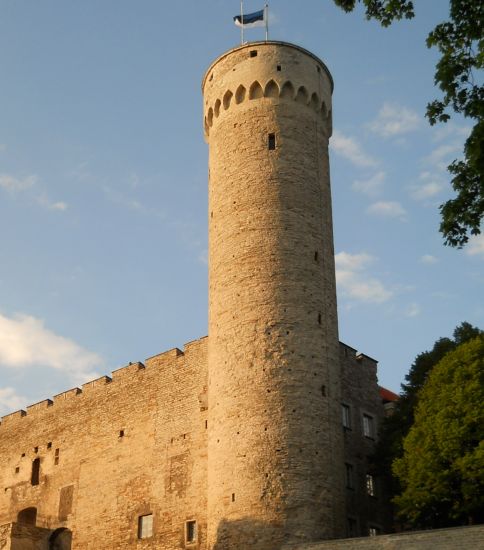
x=271, y=142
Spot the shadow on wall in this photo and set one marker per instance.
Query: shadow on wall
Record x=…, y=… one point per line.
x=247, y=533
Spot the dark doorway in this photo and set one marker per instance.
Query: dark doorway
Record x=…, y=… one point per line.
x=27, y=516
x=61, y=539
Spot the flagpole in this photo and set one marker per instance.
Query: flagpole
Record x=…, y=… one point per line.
x=242, y=22
x=267, y=20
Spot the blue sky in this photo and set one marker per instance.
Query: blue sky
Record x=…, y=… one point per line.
x=103, y=184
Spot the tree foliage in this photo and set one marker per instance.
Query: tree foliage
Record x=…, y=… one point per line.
x=460, y=41
x=396, y=427
x=442, y=468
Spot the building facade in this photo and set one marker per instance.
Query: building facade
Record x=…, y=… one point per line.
x=261, y=434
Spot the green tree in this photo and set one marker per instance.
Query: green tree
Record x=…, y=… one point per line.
x=396, y=427
x=460, y=41
x=442, y=469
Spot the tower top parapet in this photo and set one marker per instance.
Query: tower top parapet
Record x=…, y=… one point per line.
x=270, y=43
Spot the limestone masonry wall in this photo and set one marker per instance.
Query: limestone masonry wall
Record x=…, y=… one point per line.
x=275, y=444
x=125, y=446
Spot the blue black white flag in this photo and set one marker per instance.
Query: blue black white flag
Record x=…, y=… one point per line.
x=248, y=20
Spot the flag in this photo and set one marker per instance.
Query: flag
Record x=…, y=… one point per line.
x=248, y=20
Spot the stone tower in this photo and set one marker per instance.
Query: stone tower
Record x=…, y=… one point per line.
x=275, y=448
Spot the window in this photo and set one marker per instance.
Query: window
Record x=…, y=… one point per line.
x=253, y=53
x=368, y=426
x=56, y=457
x=346, y=412
x=35, y=477
x=350, y=482
x=373, y=531
x=370, y=485
x=271, y=143
x=191, y=532
x=145, y=526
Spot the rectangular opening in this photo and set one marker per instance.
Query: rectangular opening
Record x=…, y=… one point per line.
x=368, y=426
x=370, y=485
x=145, y=526
x=253, y=53
x=191, y=531
x=350, y=482
x=373, y=531
x=346, y=416
x=271, y=142
x=279, y=68
x=35, y=477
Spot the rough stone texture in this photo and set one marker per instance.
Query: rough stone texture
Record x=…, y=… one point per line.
x=14, y=536
x=103, y=482
x=360, y=393
x=459, y=538
x=275, y=445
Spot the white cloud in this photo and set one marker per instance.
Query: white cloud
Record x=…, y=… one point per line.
x=394, y=120
x=388, y=209
x=350, y=149
x=443, y=155
x=371, y=186
x=355, y=283
x=449, y=129
x=10, y=401
x=475, y=246
x=426, y=190
x=10, y=183
x=44, y=201
x=26, y=342
x=413, y=310
x=428, y=259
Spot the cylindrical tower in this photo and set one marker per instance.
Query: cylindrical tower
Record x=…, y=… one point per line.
x=275, y=449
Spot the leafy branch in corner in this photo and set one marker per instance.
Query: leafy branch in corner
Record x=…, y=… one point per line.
x=460, y=41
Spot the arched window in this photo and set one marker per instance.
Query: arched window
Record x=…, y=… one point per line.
x=27, y=516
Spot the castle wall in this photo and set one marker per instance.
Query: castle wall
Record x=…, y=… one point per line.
x=275, y=444
x=367, y=502
x=123, y=447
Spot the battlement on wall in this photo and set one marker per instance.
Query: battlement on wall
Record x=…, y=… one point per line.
x=122, y=374
x=348, y=351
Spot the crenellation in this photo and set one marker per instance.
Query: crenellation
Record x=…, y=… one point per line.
x=129, y=370
x=69, y=394
x=13, y=416
x=40, y=406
